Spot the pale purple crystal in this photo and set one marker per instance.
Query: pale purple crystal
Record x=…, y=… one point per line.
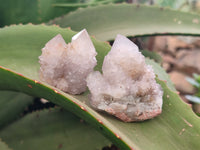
x=127, y=88
x=66, y=66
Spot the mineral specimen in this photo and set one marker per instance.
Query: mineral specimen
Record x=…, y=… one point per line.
x=66, y=66
x=127, y=88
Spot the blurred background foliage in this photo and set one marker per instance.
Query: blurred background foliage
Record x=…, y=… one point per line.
x=40, y=11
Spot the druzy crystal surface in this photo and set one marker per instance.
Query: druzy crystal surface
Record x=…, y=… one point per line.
x=127, y=88
x=66, y=66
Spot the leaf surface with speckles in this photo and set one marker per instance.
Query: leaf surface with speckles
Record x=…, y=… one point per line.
x=50, y=130
x=106, y=21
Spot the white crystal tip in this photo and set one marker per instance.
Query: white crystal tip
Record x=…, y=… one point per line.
x=121, y=42
x=81, y=33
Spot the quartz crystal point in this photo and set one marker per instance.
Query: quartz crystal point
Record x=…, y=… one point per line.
x=66, y=66
x=127, y=88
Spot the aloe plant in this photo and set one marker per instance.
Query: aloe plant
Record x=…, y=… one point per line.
x=130, y=20
x=19, y=72
x=14, y=104
x=39, y=11
x=19, y=50
x=52, y=129
x=152, y=55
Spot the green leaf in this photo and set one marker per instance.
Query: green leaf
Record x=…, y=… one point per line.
x=12, y=104
x=50, y=130
x=152, y=55
x=106, y=21
x=19, y=50
x=34, y=11
x=3, y=146
x=47, y=11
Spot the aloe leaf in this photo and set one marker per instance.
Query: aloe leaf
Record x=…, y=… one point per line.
x=13, y=12
x=106, y=21
x=12, y=105
x=50, y=130
x=47, y=10
x=152, y=55
x=34, y=11
x=19, y=54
